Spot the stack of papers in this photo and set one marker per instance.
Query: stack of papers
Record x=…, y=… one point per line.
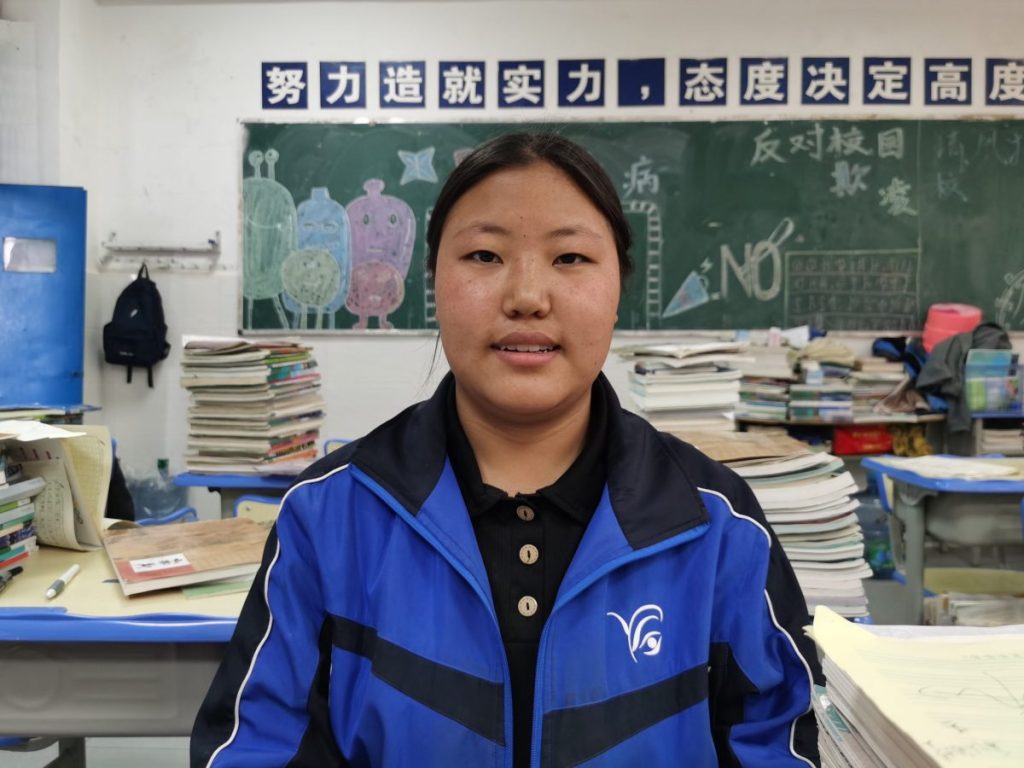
x=920, y=698
x=71, y=472
x=255, y=406
x=870, y=388
x=821, y=402
x=763, y=399
x=685, y=387
x=808, y=500
x=1005, y=437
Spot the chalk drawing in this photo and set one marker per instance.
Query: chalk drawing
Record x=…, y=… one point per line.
x=419, y=166
x=691, y=294
x=383, y=229
x=652, y=257
x=1010, y=305
x=311, y=277
x=754, y=254
x=268, y=235
x=848, y=290
x=323, y=224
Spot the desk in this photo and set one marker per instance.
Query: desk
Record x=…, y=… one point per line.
x=92, y=662
x=961, y=512
x=230, y=487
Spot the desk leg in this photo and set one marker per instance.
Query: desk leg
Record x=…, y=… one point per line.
x=71, y=754
x=912, y=515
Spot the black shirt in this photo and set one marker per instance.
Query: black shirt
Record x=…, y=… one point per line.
x=527, y=542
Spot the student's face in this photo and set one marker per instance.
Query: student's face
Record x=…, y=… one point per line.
x=527, y=287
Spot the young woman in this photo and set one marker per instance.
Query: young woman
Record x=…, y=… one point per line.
x=517, y=572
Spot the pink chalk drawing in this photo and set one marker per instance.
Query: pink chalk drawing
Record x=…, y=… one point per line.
x=377, y=289
x=383, y=229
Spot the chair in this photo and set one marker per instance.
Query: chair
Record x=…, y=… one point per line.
x=183, y=515
x=333, y=444
x=262, y=509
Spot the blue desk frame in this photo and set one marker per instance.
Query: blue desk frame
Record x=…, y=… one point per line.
x=914, y=498
x=230, y=487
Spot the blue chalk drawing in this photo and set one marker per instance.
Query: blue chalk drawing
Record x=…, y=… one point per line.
x=419, y=166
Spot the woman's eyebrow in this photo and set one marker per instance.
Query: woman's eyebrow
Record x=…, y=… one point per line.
x=481, y=228
x=574, y=231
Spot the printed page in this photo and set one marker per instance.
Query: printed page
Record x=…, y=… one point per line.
x=92, y=457
x=59, y=506
x=960, y=703
x=54, y=525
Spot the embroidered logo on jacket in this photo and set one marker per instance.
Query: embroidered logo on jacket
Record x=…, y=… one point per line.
x=640, y=635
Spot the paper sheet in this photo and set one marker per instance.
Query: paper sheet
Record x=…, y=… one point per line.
x=961, y=703
x=61, y=517
x=92, y=457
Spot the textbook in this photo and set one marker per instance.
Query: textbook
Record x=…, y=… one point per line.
x=149, y=558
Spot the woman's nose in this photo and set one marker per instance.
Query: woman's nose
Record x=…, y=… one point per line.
x=526, y=290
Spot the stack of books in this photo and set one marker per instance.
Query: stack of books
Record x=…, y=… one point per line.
x=873, y=379
x=763, y=399
x=918, y=697
x=1004, y=437
x=17, y=513
x=808, y=500
x=255, y=406
x=821, y=402
x=680, y=388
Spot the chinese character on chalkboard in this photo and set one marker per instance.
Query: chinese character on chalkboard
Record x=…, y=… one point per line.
x=1004, y=82
x=284, y=85
x=402, y=83
x=520, y=84
x=342, y=84
x=947, y=81
x=826, y=81
x=887, y=80
x=764, y=81
x=581, y=83
x=702, y=82
x=461, y=84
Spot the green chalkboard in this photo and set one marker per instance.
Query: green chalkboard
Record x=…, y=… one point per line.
x=847, y=225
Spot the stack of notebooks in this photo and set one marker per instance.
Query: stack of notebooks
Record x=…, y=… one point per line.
x=763, y=399
x=17, y=514
x=918, y=697
x=873, y=379
x=1004, y=437
x=684, y=387
x=255, y=406
x=821, y=402
x=807, y=499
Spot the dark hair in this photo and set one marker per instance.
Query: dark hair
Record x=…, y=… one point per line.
x=518, y=150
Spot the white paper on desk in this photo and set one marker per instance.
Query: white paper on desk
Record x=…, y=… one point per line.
x=92, y=457
x=60, y=518
x=28, y=431
x=946, y=703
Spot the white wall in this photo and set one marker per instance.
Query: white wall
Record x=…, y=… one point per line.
x=151, y=95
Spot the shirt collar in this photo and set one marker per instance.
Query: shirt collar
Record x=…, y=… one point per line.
x=576, y=492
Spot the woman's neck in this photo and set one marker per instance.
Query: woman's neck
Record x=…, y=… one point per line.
x=520, y=457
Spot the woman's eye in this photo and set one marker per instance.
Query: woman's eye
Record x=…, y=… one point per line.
x=571, y=258
x=484, y=257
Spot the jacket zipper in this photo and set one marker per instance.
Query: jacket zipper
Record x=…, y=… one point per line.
x=411, y=520
x=604, y=570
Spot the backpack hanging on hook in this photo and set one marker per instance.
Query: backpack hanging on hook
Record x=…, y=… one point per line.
x=137, y=334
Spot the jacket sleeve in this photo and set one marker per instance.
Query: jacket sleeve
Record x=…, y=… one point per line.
x=267, y=705
x=762, y=663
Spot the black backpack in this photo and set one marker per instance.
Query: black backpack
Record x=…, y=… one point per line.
x=137, y=334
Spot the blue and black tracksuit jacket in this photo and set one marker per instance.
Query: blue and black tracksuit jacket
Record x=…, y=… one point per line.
x=370, y=638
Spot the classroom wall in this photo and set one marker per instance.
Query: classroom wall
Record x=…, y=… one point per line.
x=146, y=107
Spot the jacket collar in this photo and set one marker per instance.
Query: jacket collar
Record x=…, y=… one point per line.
x=649, y=490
